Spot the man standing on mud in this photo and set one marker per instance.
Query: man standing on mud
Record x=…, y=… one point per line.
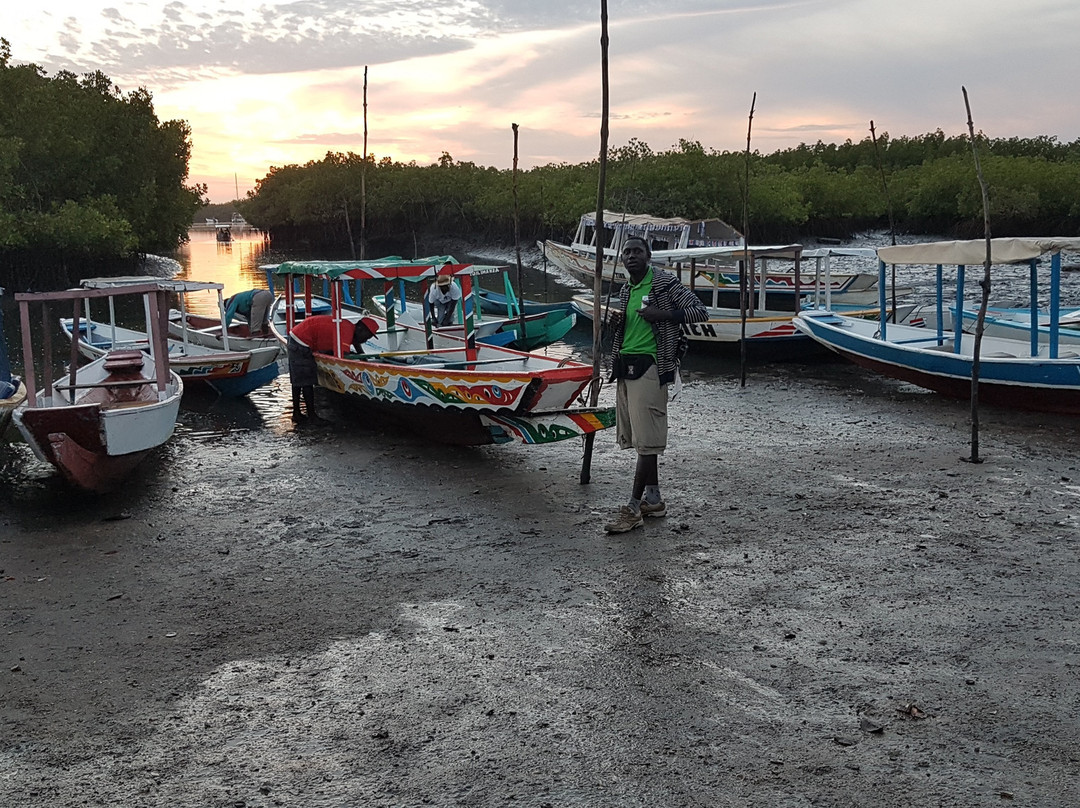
x=648, y=342
x=320, y=334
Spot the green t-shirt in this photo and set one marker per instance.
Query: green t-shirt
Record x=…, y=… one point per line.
x=638, y=335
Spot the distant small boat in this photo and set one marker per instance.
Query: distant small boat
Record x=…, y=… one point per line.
x=99, y=421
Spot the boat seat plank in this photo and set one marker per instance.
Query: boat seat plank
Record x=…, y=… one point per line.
x=465, y=362
x=947, y=341
x=114, y=383
x=124, y=360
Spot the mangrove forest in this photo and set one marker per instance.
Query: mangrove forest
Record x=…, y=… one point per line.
x=924, y=184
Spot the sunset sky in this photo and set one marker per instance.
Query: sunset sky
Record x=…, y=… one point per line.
x=269, y=84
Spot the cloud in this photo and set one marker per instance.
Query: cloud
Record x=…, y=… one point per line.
x=134, y=40
x=274, y=83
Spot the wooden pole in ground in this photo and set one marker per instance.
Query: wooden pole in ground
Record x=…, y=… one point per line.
x=746, y=267
x=517, y=245
x=363, y=182
x=980, y=321
x=888, y=206
x=348, y=224
x=598, y=272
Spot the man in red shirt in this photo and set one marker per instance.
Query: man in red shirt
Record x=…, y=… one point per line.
x=320, y=334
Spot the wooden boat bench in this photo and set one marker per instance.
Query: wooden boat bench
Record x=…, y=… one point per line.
x=119, y=388
x=946, y=342
x=948, y=346
x=124, y=361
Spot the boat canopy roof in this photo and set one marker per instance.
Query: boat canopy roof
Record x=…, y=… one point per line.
x=713, y=228
x=790, y=251
x=846, y=252
x=169, y=284
x=973, y=253
x=390, y=268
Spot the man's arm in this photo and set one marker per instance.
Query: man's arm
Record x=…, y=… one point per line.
x=231, y=305
x=688, y=304
x=686, y=307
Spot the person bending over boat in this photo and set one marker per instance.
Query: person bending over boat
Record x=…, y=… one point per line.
x=443, y=297
x=255, y=305
x=646, y=348
x=320, y=334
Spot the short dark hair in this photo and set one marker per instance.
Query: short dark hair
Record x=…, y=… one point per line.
x=644, y=243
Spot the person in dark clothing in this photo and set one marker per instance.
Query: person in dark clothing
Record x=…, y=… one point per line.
x=253, y=304
x=320, y=334
x=648, y=342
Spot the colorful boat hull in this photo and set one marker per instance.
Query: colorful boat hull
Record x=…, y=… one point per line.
x=449, y=388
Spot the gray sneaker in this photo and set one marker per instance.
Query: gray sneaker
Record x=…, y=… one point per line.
x=653, y=509
x=626, y=521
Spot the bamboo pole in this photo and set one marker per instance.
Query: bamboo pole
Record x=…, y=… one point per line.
x=598, y=273
x=348, y=225
x=746, y=267
x=892, y=225
x=363, y=181
x=517, y=244
x=980, y=321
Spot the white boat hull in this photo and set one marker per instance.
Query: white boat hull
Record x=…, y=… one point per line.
x=98, y=438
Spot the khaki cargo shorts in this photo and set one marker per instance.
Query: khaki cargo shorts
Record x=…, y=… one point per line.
x=641, y=413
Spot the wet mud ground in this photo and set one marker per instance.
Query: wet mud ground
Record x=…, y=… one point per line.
x=836, y=611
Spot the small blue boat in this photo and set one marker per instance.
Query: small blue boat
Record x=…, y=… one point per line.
x=495, y=303
x=1030, y=371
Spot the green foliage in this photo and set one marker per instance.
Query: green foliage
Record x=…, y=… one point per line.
x=86, y=170
x=820, y=189
x=93, y=228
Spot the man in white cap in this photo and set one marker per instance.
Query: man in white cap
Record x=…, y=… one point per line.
x=443, y=297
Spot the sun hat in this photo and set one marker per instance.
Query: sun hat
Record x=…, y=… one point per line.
x=442, y=280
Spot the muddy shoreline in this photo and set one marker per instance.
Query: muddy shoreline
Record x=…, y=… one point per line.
x=837, y=611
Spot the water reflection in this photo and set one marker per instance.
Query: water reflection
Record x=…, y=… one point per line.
x=234, y=264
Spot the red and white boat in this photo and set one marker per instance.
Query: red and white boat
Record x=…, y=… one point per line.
x=99, y=421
